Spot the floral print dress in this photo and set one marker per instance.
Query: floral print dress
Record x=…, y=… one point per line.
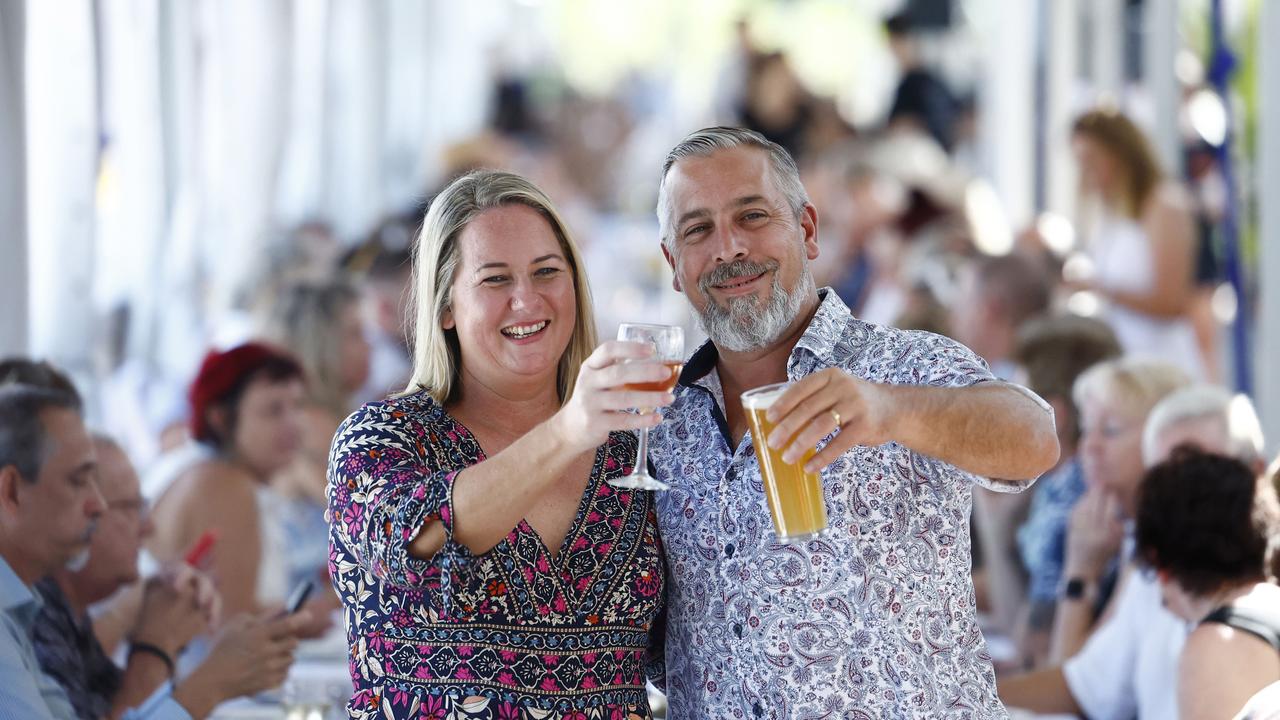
x=516, y=632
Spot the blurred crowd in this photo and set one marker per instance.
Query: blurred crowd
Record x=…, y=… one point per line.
x=1091, y=579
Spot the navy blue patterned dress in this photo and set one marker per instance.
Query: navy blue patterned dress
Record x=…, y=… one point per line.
x=513, y=633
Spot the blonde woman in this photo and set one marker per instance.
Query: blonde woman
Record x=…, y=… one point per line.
x=486, y=567
x=320, y=323
x=1142, y=241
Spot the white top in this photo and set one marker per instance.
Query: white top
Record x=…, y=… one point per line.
x=1129, y=666
x=1121, y=253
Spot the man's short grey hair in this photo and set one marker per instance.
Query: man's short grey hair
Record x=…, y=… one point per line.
x=705, y=142
x=23, y=441
x=1204, y=402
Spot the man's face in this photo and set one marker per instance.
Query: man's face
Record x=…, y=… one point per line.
x=124, y=525
x=56, y=514
x=738, y=251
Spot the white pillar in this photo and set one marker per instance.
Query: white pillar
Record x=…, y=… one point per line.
x=1062, y=80
x=13, y=182
x=1267, y=321
x=1159, y=55
x=1106, y=27
x=1007, y=118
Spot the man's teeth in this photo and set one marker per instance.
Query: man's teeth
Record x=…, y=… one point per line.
x=737, y=282
x=523, y=331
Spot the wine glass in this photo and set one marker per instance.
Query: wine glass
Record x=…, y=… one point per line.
x=668, y=344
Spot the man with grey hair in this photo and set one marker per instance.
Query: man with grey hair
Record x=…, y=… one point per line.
x=874, y=618
x=1204, y=415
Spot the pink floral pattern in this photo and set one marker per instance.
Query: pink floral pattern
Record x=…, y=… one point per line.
x=514, y=633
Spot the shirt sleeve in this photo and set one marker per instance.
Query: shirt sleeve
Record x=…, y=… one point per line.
x=1101, y=676
x=160, y=706
x=382, y=491
x=25, y=692
x=941, y=362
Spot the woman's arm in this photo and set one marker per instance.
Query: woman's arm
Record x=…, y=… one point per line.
x=1171, y=234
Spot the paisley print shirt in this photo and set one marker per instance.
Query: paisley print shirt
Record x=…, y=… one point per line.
x=513, y=633
x=874, y=619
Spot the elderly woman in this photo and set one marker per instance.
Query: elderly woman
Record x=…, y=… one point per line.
x=1205, y=523
x=486, y=567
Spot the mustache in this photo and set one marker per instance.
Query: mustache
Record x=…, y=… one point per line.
x=722, y=274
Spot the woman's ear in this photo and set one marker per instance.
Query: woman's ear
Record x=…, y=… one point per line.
x=446, y=318
x=219, y=418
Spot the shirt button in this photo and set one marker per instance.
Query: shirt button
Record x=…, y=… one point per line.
x=728, y=550
x=737, y=629
x=759, y=711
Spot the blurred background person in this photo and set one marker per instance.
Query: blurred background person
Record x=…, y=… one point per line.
x=1207, y=525
x=1130, y=662
x=321, y=324
x=996, y=296
x=1142, y=240
x=1026, y=541
x=246, y=408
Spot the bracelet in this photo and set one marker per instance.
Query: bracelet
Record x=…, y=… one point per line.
x=149, y=649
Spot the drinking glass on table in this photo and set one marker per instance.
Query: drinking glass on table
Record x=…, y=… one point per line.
x=795, y=496
x=668, y=344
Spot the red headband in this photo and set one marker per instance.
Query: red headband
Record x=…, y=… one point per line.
x=220, y=373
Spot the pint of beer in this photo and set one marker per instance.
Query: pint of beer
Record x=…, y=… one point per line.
x=795, y=496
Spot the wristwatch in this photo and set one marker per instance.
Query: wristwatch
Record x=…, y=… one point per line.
x=1076, y=588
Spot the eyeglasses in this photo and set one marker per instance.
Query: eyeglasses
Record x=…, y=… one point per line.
x=135, y=506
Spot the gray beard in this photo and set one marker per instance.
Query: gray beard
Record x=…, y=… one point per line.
x=747, y=324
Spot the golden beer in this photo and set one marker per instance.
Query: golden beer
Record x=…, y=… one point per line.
x=795, y=496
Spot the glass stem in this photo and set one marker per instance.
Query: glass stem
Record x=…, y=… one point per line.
x=642, y=454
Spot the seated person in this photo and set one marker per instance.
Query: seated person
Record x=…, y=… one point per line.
x=1204, y=525
x=1129, y=664
x=246, y=404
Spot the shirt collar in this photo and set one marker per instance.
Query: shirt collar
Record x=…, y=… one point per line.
x=16, y=598
x=818, y=341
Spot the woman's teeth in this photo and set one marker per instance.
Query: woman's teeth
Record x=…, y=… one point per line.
x=523, y=331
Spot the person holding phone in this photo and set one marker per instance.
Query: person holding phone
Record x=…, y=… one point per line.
x=486, y=566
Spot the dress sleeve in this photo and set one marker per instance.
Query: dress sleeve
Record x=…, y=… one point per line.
x=382, y=490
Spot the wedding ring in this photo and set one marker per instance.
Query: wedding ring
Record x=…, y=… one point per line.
x=835, y=415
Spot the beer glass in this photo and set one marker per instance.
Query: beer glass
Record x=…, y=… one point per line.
x=668, y=344
x=795, y=496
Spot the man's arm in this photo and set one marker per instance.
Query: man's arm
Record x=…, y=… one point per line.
x=992, y=429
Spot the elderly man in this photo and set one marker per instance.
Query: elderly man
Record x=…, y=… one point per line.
x=1129, y=666
x=875, y=618
x=49, y=505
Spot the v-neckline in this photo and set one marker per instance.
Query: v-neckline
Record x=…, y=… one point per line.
x=584, y=501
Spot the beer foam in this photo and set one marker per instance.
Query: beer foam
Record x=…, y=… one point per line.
x=762, y=399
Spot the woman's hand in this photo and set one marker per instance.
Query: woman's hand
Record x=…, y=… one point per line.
x=601, y=399
x=1094, y=534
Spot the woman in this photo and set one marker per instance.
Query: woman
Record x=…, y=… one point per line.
x=486, y=567
x=1142, y=242
x=321, y=324
x=246, y=406
x=1114, y=399
x=1204, y=524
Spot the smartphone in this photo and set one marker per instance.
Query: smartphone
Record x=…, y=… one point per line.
x=299, y=596
x=199, y=552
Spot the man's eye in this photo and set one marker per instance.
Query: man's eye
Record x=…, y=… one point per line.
x=695, y=230
x=754, y=215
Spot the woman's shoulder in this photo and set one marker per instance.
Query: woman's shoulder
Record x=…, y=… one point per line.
x=394, y=414
x=209, y=484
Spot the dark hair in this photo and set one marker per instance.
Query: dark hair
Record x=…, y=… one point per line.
x=22, y=430
x=37, y=373
x=1206, y=520
x=1055, y=350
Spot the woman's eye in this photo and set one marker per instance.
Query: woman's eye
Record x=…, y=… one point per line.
x=494, y=279
x=547, y=272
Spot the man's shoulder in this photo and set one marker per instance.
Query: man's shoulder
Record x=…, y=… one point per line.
x=883, y=353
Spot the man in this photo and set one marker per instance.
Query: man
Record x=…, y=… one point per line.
x=875, y=618
x=1129, y=666
x=49, y=506
x=997, y=296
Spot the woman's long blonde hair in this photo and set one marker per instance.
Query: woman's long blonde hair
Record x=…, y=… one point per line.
x=436, y=255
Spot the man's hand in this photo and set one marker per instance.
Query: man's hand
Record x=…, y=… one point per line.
x=250, y=654
x=809, y=411
x=177, y=605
